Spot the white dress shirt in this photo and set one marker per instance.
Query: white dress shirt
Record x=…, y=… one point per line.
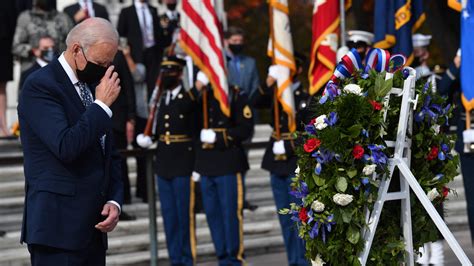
x=73, y=78
x=41, y=62
x=171, y=94
x=90, y=7
x=148, y=36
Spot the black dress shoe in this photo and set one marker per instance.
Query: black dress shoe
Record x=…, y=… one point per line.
x=249, y=206
x=126, y=217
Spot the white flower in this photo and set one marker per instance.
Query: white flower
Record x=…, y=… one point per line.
x=353, y=88
x=320, y=122
x=436, y=128
x=342, y=199
x=433, y=194
x=317, y=261
x=297, y=171
x=369, y=169
x=317, y=206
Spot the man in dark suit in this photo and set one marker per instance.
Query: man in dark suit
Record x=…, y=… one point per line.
x=73, y=187
x=140, y=24
x=84, y=9
x=44, y=53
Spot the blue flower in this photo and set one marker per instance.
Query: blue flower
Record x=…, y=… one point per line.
x=318, y=168
x=365, y=180
x=330, y=92
x=301, y=191
x=332, y=119
x=405, y=73
x=310, y=129
x=365, y=133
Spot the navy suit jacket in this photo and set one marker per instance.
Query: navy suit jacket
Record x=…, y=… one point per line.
x=68, y=176
x=246, y=76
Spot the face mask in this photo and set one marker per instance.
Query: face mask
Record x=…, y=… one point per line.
x=416, y=62
x=48, y=55
x=171, y=7
x=45, y=5
x=92, y=73
x=236, y=48
x=169, y=82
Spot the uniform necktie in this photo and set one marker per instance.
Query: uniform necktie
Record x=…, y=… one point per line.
x=86, y=98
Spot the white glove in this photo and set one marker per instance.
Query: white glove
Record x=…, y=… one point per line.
x=208, y=136
x=144, y=141
x=341, y=52
x=279, y=147
x=196, y=176
x=468, y=136
x=277, y=71
x=202, y=78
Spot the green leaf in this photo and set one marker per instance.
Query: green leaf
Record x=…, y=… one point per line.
x=284, y=211
x=353, y=235
x=318, y=180
x=354, y=131
x=341, y=184
x=351, y=173
x=387, y=86
x=346, y=216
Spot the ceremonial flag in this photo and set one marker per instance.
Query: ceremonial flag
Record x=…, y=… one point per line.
x=323, y=44
x=280, y=49
x=455, y=4
x=201, y=38
x=394, y=23
x=467, y=57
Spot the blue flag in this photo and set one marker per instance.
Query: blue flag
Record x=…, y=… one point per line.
x=394, y=23
x=467, y=57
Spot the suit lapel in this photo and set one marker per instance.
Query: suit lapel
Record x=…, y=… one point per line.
x=134, y=19
x=68, y=86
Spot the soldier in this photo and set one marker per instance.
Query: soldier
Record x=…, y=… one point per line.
x=175, y=162
x=360, y=40
x=421, y=57
x=220, y=159
x=280, y=160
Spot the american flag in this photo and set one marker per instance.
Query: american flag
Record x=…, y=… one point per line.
x=201, y=38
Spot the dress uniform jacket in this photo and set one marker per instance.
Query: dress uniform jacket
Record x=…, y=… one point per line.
x=263, y=98
x=176, y=123
x=227, y=155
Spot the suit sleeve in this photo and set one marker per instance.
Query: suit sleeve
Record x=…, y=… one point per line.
x=45, y=114
x=451, y=75
x=255, y=80
x=122, y=24
x=116, y=190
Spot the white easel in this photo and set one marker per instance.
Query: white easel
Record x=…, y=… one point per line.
x=401, y=159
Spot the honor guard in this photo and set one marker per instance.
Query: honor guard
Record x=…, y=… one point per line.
x=358, y=39
x=220, y=159
x=421, y=57
x=280, y=158
x=175, y=122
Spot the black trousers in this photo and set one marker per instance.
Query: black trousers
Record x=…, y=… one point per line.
x=467, y=169
x=92, y=255
x=140, y=124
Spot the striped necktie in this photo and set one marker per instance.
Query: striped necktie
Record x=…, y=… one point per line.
x=86, y=97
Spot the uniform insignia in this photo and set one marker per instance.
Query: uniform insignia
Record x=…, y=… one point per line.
x=247, y=112
x=180, y=96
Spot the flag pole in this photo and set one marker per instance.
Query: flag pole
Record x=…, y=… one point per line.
x=342, y=11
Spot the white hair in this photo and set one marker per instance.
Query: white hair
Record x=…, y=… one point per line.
x=92, y=31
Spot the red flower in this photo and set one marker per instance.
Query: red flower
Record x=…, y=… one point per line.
x=312, y=121
x=376, y=105
x=433, y=153
x=358, y=151
x=445, y=191
x=311, y=145
x=303, y=215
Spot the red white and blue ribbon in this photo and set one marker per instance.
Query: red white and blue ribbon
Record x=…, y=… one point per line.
x=349, y=63
x=378, y=59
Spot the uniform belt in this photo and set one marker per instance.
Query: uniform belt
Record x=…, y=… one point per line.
x=284, y=136
x=174, y=138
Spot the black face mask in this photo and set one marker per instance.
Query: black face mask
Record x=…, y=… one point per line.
x=236, y=48
x=169, y=82
x=92, y=72
x=416, y=62
x=48, y=55
x=45, y=5
x=171, y=7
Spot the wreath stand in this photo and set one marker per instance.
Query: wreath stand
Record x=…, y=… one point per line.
x=401, y=160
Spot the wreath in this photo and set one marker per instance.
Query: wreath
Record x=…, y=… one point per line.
x=343, y=158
